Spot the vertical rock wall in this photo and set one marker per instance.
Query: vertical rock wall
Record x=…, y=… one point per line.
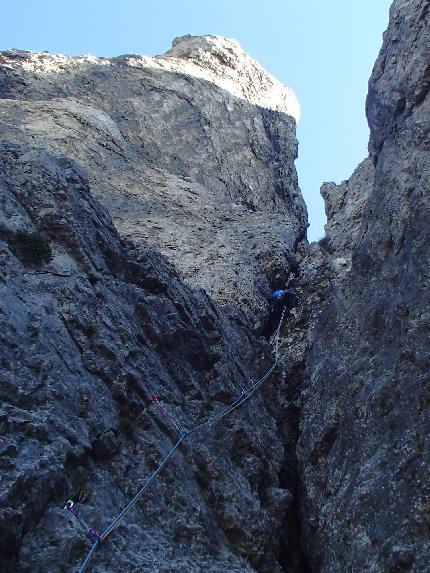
x=192, y=156
x=364, y=433
x=193, y=159
x=192, y=152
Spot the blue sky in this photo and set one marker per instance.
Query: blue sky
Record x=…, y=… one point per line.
x=323, y=49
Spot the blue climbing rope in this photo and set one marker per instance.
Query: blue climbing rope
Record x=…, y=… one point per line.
x=88, y=557
x=182, y=436
x=117, y=520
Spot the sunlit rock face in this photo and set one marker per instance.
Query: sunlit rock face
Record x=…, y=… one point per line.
x=192, y=151
x=344, y=205
x=225, y=63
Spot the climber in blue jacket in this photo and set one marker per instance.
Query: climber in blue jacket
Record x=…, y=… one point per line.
x=278, y=294
x=289, y=296
x=279, y=299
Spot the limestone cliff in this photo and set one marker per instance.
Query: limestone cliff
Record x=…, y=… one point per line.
x=363, y=445
x=192, y=155
x=148, y=206
x=192, y=152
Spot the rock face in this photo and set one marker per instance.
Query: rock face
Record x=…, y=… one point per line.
x=344, y=204
x=95, y=320
x=363, y=445
x=148, y=206
x=87, y=339
x=192, y=152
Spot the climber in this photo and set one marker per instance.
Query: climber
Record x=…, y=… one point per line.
x=289, y=297
x=279, y=299
x=278, y=294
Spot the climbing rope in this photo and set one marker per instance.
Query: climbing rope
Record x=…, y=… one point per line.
x=278, y=334
x=183, y=434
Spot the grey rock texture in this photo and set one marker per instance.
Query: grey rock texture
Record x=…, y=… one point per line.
x=192, y=152
x=87, y=339
x=400, y=80
x=148, y=206
x=344, y=205
x=363, y=446
x=206, y=177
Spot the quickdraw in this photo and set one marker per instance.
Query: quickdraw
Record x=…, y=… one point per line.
x=70, y=507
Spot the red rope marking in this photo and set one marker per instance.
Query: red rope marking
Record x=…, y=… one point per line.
x=166, y=412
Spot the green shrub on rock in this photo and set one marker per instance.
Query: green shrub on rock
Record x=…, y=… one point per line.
x=32, y=248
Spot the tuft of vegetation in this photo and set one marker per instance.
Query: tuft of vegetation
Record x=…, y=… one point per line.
x=31, y=248
x=89, y=329
x=385, y=402
x=424, y=402
x=80, y=491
